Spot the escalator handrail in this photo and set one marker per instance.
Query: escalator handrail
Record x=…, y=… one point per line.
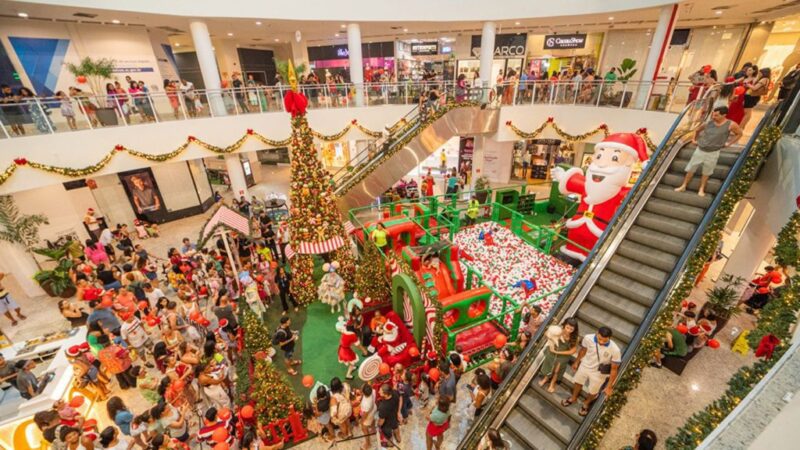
x=528, y=355
x=673, y=279
x=412, y=112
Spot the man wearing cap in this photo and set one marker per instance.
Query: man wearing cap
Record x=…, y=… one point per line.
x=602, y=189
x=710, y=138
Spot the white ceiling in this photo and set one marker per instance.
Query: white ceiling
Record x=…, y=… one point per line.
x=247, y=32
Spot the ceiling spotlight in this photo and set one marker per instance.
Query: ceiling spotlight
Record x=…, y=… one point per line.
x=177, y=44
x=258, y=23
x=343, y=26
x=115, y=22
x=230, y=34
x=516, y=23
x=23, y=15
x=718, y=12
x=277, y=40
x=405, y=30
x=611, y=18
x=336, y=35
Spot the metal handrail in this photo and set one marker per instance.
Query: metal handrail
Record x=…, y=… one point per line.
x=528, y=356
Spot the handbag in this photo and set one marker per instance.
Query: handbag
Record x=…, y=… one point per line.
x=604, y=369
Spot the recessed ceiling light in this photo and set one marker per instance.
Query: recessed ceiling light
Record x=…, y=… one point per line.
x=177, y=44
x=23, y=15
x=611, y=18
x=405, y=30
x=718, y=12
x=277, y=40
x=336, y=35
x=230, y=34
x=258, y=23
x=516, y=23
x=343, y=26
x=115, y=22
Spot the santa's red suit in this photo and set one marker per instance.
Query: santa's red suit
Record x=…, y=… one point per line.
x=396, y=341
x=591, y=219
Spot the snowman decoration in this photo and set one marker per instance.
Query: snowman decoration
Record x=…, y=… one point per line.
x=602, y=189
x=331, y=287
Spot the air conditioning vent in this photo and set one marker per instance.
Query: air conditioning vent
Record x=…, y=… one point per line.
x=85, y=15
x=170, y=29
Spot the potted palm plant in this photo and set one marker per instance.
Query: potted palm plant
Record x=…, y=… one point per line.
x=96, y=72
x=722, y=299
x=56, y=281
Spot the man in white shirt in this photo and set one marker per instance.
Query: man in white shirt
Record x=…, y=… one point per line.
x=134, y=333
x=152, y=294
x=106, y=239
x=598, y=361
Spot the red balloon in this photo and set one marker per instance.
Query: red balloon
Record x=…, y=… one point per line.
x=713, y=343
x=682, y=328
x=434, y=374
x=204, y=322
x=80, y=79
x=261, y=355
x=413, y=351
x=143, y=305
x=738, y=90
x=224, y=414
x=220, y=435
x=195, y=315
x=89, y=423
x=222, y=446
x=385, y=369
x=247, y=412
x=500, y=340
x=308, y=381
x=77, y=401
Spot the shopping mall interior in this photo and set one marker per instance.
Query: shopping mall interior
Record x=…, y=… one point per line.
x=373, y=225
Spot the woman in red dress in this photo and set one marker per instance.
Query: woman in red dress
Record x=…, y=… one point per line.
x=346, y=354
x=736, y=105
x=428, y=184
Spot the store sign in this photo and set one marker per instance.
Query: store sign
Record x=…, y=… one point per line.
x=343, y=52
x=505, y=45
x=424, y=48
x=564, y=41
x=371, y=50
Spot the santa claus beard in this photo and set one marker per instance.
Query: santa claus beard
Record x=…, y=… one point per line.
x=603, y=183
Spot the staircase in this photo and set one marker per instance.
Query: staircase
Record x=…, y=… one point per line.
x=622, y=285
x=624, y=292
x=379, y=166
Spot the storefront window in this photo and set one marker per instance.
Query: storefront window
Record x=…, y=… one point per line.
x=715, y=46
x=533, y=159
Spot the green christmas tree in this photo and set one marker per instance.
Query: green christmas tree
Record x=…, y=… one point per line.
x=315, y=220
x=257, y=337
x=272, y=393
x=371, y=277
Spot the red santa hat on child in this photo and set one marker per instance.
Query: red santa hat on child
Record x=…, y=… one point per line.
x=630, y=143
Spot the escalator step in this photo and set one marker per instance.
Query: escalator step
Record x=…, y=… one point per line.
x=624, y=286
x=720, y=170
x=655, y=278
x=556, y=421
x=666, y=225
x=629, y=310
x=676, y=179
x=647, y=255
x=511, y=438
x=563, y=390
x=685, y=198
x=670, y=244
x=623, y=330
x=674, y=210
x=533, y=435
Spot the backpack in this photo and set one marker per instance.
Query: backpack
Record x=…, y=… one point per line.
x=279, y=336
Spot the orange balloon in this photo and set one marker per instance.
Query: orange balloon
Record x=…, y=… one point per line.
x=77, y=401
x=195, y=315
x=413, y=351
x=500, y=340
x=224, y=414
x=713, y=343
x=247, y=412
x=89, y=423
x=220, y=435
x=385, y=369
x=308, y=381
x=434, y=374
x=682, y=328
x=261, y=355
x=222, y=446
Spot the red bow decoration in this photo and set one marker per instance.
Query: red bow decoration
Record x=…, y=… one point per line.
x=20, y=161
x=250, y=131
x=295, y=103
x=603, y=126
x=192, y=138
x=119, y=148
x=642, y=130
x=508, y=122
x=767, y=346
x=550, y=120
x=354, y=121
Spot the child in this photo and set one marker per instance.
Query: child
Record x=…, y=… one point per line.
x=424, y=389
x=67, y=110
x=141, y=232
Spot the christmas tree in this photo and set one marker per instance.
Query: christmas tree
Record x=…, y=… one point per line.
x=272, y=393
x=257, y=337
x=315, y=225
x=371, y=277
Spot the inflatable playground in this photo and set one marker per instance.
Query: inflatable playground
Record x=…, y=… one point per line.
x=458, y=286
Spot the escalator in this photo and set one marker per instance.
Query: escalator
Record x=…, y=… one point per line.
x=379, y=166
x=622, y=285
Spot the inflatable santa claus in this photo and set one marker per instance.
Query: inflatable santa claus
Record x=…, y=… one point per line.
x=602, y=189
x=394, y=344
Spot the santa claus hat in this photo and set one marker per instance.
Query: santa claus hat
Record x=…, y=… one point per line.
x=631, y=143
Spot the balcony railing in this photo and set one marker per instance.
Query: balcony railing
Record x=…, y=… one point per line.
x=47, y=115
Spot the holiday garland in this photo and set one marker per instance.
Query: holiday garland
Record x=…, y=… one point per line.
x=787, y=251
x=82, y=172
x=631, y=377
x=550, y=122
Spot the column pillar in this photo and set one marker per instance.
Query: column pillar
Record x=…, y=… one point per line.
x=208, y=66
x=487, y=57
x=236, y=174
x=356, y=61
x=300, y=52
x=658, y=47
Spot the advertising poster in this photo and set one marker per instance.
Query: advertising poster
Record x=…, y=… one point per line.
x=143, y=193
x=466, y=148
